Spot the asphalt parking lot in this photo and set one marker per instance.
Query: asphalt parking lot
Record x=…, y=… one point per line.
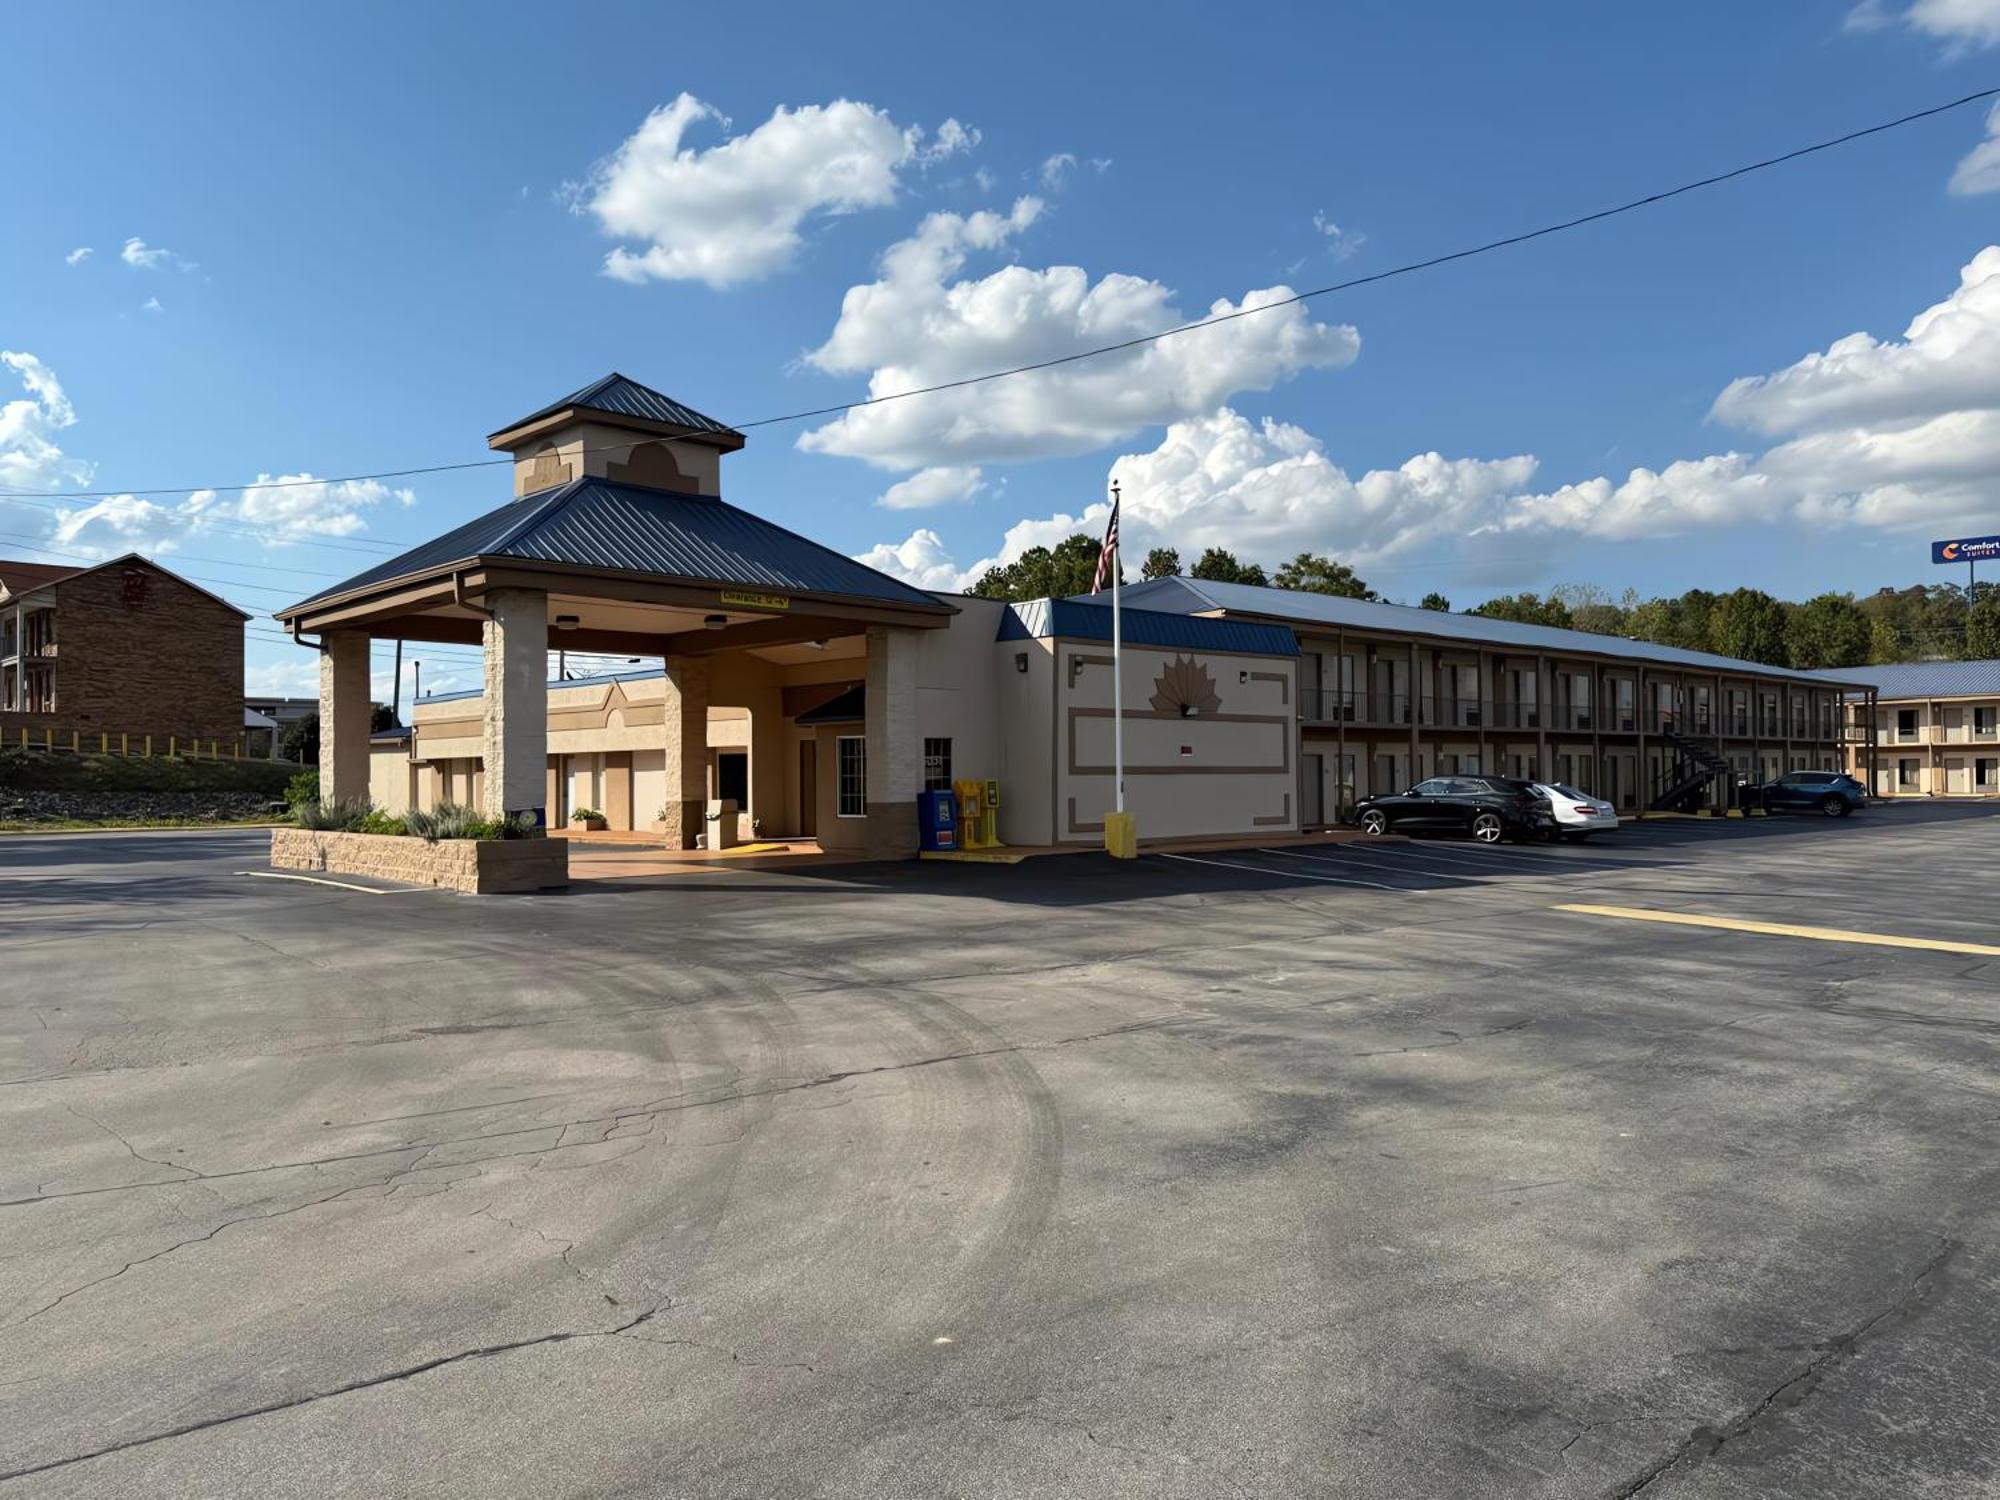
x=1356, y=1171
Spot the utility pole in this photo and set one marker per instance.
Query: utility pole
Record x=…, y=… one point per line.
x=396, y=686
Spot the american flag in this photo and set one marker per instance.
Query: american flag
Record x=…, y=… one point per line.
x=1107, y=555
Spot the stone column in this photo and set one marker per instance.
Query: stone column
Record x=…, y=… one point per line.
x=895, y=757
x=344, y=713
x=516, y=743
x=686, y=727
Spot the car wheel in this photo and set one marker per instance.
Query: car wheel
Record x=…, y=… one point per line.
x=1374, y=824
x=1488, y=829
x=1834, y=805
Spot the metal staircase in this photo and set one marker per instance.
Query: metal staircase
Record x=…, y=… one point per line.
x=1685, y=785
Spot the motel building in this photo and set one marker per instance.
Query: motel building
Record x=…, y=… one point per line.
x=786, y=691
x=1936, y=726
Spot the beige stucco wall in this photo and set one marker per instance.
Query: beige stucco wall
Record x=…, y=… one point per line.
x=1025, y=702
x=1230, y=769
x=392, y=780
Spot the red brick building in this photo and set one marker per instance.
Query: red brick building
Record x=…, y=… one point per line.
x=124, y=647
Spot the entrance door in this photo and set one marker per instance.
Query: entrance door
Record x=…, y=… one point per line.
x=732, y=778
x=1312, y=793
x=808, y=788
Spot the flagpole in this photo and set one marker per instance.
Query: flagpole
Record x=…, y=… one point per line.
x=1117, y=657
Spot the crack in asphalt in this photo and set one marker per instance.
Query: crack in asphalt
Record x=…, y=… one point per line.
x=290, y=1403
x=1705, y=1441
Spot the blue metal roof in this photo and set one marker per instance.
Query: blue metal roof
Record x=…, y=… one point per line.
x=624, y=397
x=1309, y=611
x=596, y=523
x=1076, y=619
x=1927, y=679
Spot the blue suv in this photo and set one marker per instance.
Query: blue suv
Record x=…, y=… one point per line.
x=1828, y=793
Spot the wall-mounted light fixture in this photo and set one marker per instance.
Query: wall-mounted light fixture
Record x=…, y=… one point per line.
x=715, y=622
x=1020, y=661
x=567, y=622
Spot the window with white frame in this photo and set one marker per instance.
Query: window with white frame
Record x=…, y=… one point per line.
x=937, y=765
x=851, y=776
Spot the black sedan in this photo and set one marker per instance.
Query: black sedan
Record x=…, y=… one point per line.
x=1489, y=808
x=1827, y=793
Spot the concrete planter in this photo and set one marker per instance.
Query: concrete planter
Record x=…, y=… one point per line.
x=478, y=867
x=589, y=825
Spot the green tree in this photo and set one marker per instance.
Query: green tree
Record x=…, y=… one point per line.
x=1982, y=630
x=299, y=740
x=1219, y=565
x=1435, y=600
x=1592, y=608
x=1043, y=572
x=1526, y=608
x=1685, y=622
x=1312, y=574
x=1828, y=630
x=1161, y=562
x=1749, y=625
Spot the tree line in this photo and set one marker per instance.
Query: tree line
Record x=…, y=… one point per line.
x=1924, y=622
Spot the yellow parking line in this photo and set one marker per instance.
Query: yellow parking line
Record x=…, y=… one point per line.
x=1781, y=929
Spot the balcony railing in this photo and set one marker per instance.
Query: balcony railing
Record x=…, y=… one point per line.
x=1506, y=716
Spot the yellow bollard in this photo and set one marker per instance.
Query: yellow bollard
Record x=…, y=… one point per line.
x=75, y=741
x=48, y=739
x=124, y=743
x=149, y=747
x=103, y=743
x=1121, y=835
x=173, y=746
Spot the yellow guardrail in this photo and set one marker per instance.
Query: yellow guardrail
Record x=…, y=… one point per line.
x=137, y=746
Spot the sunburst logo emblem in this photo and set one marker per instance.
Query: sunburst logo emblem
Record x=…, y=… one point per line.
x=1185, y=688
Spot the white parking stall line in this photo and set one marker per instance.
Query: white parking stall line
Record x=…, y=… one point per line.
x=1463, y=857
x=1449, y=873
x=342, y=885
x=1224, y=864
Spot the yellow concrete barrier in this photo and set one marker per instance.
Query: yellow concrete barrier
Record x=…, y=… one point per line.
x=1121, y=835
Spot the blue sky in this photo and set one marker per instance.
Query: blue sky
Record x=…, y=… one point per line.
x=355, y=238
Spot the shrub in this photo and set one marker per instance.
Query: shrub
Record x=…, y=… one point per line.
x=583, y=814
x=304, y=787
x=380, y=822
x=342, y=816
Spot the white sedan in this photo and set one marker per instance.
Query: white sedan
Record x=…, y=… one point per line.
x=1578, y=814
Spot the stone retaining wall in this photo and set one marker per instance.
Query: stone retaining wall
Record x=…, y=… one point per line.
x=480, y=867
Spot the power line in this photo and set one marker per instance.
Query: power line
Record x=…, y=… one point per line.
x=1407, y=268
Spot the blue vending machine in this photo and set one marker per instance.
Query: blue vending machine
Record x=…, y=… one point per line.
x=937, y=821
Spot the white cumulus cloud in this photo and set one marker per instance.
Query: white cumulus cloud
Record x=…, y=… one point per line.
x=945, y=484
x=734, y=211
x=287, y=507
x=1265, y=491
x=920, y=559
x=1978, y=171
x=30, y=456
x=1341, y=244
x=78, y=256
x=152, y=258
x=1898, y=433
x=921, y=324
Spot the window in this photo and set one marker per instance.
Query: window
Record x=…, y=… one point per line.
x=851, y=773
x=937, y=765
x=1906, y=723
x=1985, y=720
x=1435, y=788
